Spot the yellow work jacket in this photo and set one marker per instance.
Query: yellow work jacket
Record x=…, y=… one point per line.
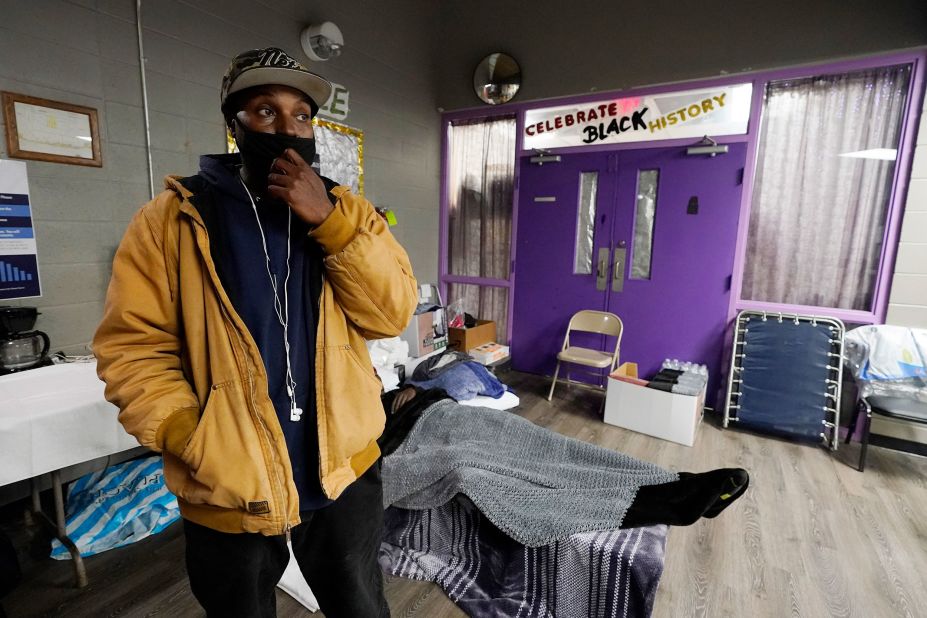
x=189, y=381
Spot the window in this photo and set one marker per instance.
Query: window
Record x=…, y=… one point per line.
x=644, y=212
x=585, y=223
x=481, y=183
x=825, y=168
x=485, y=302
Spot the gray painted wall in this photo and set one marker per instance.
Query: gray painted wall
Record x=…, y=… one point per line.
x=84, y=52
x=567, y=48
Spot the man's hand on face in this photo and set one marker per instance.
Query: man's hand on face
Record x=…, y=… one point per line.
x=292, y=180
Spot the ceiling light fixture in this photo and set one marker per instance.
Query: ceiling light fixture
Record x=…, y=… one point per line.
x=322, y=41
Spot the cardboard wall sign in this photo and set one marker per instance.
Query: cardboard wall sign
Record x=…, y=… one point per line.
x=337, y=106
x=19, y=268
x=723, y=110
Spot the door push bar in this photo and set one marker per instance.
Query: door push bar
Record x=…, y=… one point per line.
x=618, y=264
x=601, y=275
x=618, y=273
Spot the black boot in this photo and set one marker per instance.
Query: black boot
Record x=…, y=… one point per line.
x=684, y=502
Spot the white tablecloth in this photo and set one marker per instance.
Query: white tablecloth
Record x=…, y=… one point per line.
x=54, y=417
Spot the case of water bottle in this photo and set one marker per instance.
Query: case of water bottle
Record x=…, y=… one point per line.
x=672, y=416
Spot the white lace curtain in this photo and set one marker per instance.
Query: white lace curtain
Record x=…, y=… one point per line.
x=481, y=175
x=823, y=182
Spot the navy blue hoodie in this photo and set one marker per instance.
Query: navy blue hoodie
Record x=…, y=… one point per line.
x=238, y=253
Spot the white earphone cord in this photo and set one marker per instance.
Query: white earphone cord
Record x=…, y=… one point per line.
x=283, y=313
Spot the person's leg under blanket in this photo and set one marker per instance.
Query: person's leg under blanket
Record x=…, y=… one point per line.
x=679, y=503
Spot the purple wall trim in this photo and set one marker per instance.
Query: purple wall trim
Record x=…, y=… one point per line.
x=496, y=283
x=899, y=193
x=917, y=57
x=746, y=196
x=442, y=214
x=519, y=140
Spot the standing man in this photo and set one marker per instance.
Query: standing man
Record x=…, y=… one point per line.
x=232, y=341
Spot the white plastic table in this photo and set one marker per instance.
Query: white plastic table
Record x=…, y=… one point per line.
x=51, y=418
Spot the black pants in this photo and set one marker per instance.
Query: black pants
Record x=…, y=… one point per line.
x=335, y=547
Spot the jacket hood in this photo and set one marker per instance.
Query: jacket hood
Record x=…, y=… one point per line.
x=221, y=172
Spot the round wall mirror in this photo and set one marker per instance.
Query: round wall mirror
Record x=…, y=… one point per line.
x=497, y=78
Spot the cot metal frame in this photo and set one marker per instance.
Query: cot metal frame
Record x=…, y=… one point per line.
x=833, y=383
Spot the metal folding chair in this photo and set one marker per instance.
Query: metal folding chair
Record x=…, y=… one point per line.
x=600, y=322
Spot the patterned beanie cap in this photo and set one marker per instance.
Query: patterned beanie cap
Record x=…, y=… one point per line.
x=263, y=67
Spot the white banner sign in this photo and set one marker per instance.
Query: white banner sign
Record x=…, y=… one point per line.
x=19, y=268
x=724, y=110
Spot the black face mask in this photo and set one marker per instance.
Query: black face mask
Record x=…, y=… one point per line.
x=258, y=151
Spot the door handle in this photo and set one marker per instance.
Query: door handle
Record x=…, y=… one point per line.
x=601, y=274
x=618, y=274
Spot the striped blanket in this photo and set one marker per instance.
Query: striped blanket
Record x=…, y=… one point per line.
x=488, y=574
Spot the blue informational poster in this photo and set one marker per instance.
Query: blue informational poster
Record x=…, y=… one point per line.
x=19, y=267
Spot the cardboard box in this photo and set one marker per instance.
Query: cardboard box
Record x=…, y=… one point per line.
x=656, y=413
x=489, y=353
x=426, y=333
x=469, y=338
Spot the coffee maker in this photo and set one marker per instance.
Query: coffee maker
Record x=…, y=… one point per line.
x=20, y=346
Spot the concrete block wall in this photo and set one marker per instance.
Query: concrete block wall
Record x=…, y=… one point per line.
x=85, y=52
x=908, y=300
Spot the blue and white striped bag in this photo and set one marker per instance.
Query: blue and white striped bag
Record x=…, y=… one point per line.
x=117, y=506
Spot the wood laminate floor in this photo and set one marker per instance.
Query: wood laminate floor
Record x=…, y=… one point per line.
x=812, y=536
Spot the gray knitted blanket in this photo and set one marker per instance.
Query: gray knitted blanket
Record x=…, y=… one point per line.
x=535, y=485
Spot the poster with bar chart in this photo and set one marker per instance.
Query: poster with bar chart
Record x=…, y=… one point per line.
x=19, y=266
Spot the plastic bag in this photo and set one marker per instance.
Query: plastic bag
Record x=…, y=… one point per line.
x=294, y=584
x=388, y=352
x=118, y=506
x=456, y=314
x=385, y=354
x=888, y=361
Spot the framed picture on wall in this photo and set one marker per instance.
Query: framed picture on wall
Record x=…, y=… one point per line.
x=44, y=130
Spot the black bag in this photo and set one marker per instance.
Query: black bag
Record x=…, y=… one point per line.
x=9, y=566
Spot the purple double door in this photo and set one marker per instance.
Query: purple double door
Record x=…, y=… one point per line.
x=676, y=310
